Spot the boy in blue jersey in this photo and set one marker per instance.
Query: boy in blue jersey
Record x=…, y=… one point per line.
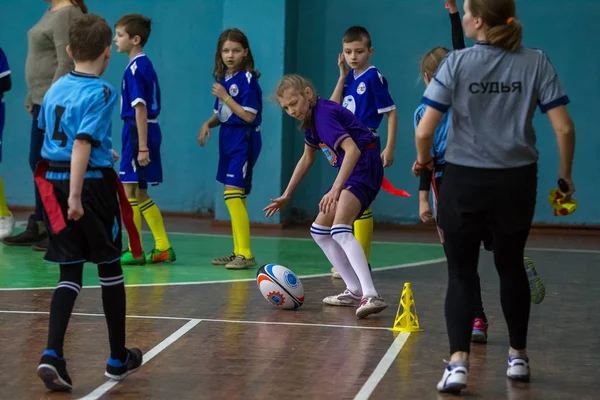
x=141, y=138
x=363, y=90
x=79, y=188
x=7, y=221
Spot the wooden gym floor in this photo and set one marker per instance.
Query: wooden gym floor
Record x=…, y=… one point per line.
x=207, y=333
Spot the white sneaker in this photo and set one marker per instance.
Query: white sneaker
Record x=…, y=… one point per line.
x=518, y=368
x=347, y=298
x=335, y=274
x=370, y=305
x=455, y=377
x=7, y=224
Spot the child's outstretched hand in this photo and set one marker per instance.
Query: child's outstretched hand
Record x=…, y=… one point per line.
x=276, y=205
x=344, y=69
x=203, y=134
x=115, y=155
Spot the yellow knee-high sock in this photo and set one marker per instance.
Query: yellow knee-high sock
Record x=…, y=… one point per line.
x=239, y=221
x=137, y=217
x=155, y=222
x=363, y=231
x=227, y=195
x=4, y=212
x=244, y=199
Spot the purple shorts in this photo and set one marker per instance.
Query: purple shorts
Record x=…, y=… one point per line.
x=365, y=181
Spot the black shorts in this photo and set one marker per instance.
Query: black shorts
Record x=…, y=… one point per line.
x=96, y=236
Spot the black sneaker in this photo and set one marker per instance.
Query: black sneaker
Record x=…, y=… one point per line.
x=118, y=371
x=42, y=245
x=53, y=371
x=30, y=236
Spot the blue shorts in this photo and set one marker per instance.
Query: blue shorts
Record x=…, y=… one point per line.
x=2, y=111
x=130, y=170
x=239, y=147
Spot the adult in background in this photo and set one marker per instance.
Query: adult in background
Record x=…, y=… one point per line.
x=47, y=60
x=491, y=169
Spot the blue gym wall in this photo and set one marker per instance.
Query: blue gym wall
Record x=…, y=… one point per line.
x=305, y=37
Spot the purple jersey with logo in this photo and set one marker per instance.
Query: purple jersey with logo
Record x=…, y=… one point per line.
x=333, y=125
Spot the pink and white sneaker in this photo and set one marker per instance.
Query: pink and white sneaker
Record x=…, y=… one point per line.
x=370, y=305
x=479, y=334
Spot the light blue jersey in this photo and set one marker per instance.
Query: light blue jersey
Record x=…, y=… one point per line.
x=78, y=106
x=438, y=149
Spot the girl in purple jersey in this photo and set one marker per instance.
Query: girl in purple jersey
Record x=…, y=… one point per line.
x=353, y=149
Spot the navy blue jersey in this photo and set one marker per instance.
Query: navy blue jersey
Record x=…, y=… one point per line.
x=140, y=85
x=78, y=106
x=4, y=70
x=243, y=87
x=367, y=96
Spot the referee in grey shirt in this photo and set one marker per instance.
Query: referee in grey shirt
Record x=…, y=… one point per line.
x=491, y=169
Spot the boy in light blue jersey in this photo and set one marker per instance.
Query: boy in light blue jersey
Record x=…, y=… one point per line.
x=83, y=200
x=363, y=90
x=140, y=159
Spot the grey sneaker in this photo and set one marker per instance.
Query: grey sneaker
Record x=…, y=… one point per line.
x=241, y=262
x=223, y=260
x=347, y=298
x=536, y=286
x=335, y=274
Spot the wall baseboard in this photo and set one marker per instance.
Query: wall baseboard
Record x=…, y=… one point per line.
x=541, y=228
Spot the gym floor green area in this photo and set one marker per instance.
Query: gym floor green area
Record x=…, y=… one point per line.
x=21, y=267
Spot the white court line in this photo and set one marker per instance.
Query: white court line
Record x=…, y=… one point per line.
x=391, y=267
x=383, y=366
x=102, y=389
x=97, y=315
x=229, y=321
x=373, y=328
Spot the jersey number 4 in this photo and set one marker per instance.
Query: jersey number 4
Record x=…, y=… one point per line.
x=58, y=134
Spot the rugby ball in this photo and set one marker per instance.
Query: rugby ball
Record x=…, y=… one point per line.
x=280, y=286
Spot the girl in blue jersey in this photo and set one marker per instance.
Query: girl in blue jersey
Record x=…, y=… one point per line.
x=433, y=178
x=238, y=107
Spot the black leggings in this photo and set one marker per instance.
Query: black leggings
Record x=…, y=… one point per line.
x=487, y=239
x=470, y=201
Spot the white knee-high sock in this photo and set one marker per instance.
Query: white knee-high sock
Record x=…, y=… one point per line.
x=336, y=256
x=343, y=235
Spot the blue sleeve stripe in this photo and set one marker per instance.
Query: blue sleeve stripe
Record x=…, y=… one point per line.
x=438, y=81
x=561, y=101
x=434, y=104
